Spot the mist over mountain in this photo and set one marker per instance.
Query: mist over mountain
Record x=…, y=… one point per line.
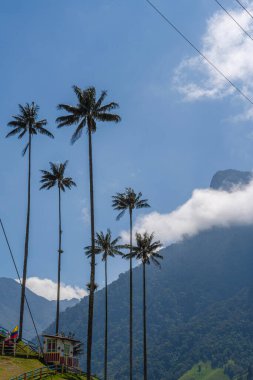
x=44, y=311
x=199, y=305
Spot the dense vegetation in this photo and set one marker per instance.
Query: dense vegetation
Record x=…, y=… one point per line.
x=199, y=307
x=204, y=371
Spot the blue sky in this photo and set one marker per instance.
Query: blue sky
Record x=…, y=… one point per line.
x=165, y=146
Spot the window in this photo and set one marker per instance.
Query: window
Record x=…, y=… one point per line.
x=51, y=345
x=66, y=349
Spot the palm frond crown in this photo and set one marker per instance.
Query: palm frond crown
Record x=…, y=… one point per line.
x=146, y=249
x=27, y=122
x=105, y=245
x=55, y=177
x=128, y=200
x=87, y=112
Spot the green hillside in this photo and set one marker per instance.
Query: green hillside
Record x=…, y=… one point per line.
x=67, y=376
x=204, y=371
x=10, y=366
x=199, y=308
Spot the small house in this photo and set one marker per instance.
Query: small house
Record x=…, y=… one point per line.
x=61, y=350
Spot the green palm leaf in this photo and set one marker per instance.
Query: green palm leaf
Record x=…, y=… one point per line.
x=27, y=123
x=87, y=112
x=55, y=177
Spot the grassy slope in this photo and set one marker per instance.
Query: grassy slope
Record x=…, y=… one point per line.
x=206, y=373
x=10, y=366
x=67, y=377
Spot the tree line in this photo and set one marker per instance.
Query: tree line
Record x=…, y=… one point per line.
x=88, y=111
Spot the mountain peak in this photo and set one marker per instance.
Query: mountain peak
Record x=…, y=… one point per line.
x=227, y=179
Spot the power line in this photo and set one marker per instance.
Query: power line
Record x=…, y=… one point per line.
x=16, y=268
x=243, y=7
x=237, y=23
x=200, y=53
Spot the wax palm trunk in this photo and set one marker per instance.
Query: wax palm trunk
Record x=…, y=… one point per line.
x=106, y=323
x=131, y=301
x=92, y=273
x=22, y=302
x=59, y=268
x=145, y=371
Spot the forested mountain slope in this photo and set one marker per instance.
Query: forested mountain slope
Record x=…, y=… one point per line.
x=199, y=307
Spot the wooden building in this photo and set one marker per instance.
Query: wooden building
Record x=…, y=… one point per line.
x=61, y=350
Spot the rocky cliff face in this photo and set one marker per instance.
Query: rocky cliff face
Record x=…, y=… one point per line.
x=228, y=179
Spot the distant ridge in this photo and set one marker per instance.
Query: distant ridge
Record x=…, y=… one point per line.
x=43, y=310
x=227, y=179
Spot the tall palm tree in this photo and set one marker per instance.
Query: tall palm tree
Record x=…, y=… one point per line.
x=85, y=114
x=146, y=251
x=108, y=248
x=50, y=179
x=129, y=200
x=27, y=123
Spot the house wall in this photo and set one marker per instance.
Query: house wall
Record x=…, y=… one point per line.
x=60, y=346
x=58, y=357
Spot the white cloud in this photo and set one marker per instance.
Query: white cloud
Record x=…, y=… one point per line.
x=85, y=211
x=225, y=44
x=86, y=215
x=48, y=289
x=206, y=208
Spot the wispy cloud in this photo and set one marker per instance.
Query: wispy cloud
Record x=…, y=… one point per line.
x=86, y=215
x=85, y=211
x=225, y=44
x=205, y=209
x=48, y=289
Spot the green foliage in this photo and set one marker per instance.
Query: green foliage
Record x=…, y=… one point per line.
x=68, y=376
x=26, y=122
x=204, y=371
x=146, y=249
x=10, y=367
x=128, y=200
x=105, y=245
x=87, y=112
x=56, y=177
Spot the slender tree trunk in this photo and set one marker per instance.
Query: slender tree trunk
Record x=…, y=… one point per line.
x=131, y=302
x=22, y=302
x=106, y=322
x=59, y=268
x=145, y=370
x=92, y=272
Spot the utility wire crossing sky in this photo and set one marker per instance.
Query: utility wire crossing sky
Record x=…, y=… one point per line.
x=237, y=23
x=199, y=52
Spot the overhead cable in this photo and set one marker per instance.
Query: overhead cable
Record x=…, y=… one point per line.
x=16, y=269
x=243, y=7
x=165, y=18
x=232, y=17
